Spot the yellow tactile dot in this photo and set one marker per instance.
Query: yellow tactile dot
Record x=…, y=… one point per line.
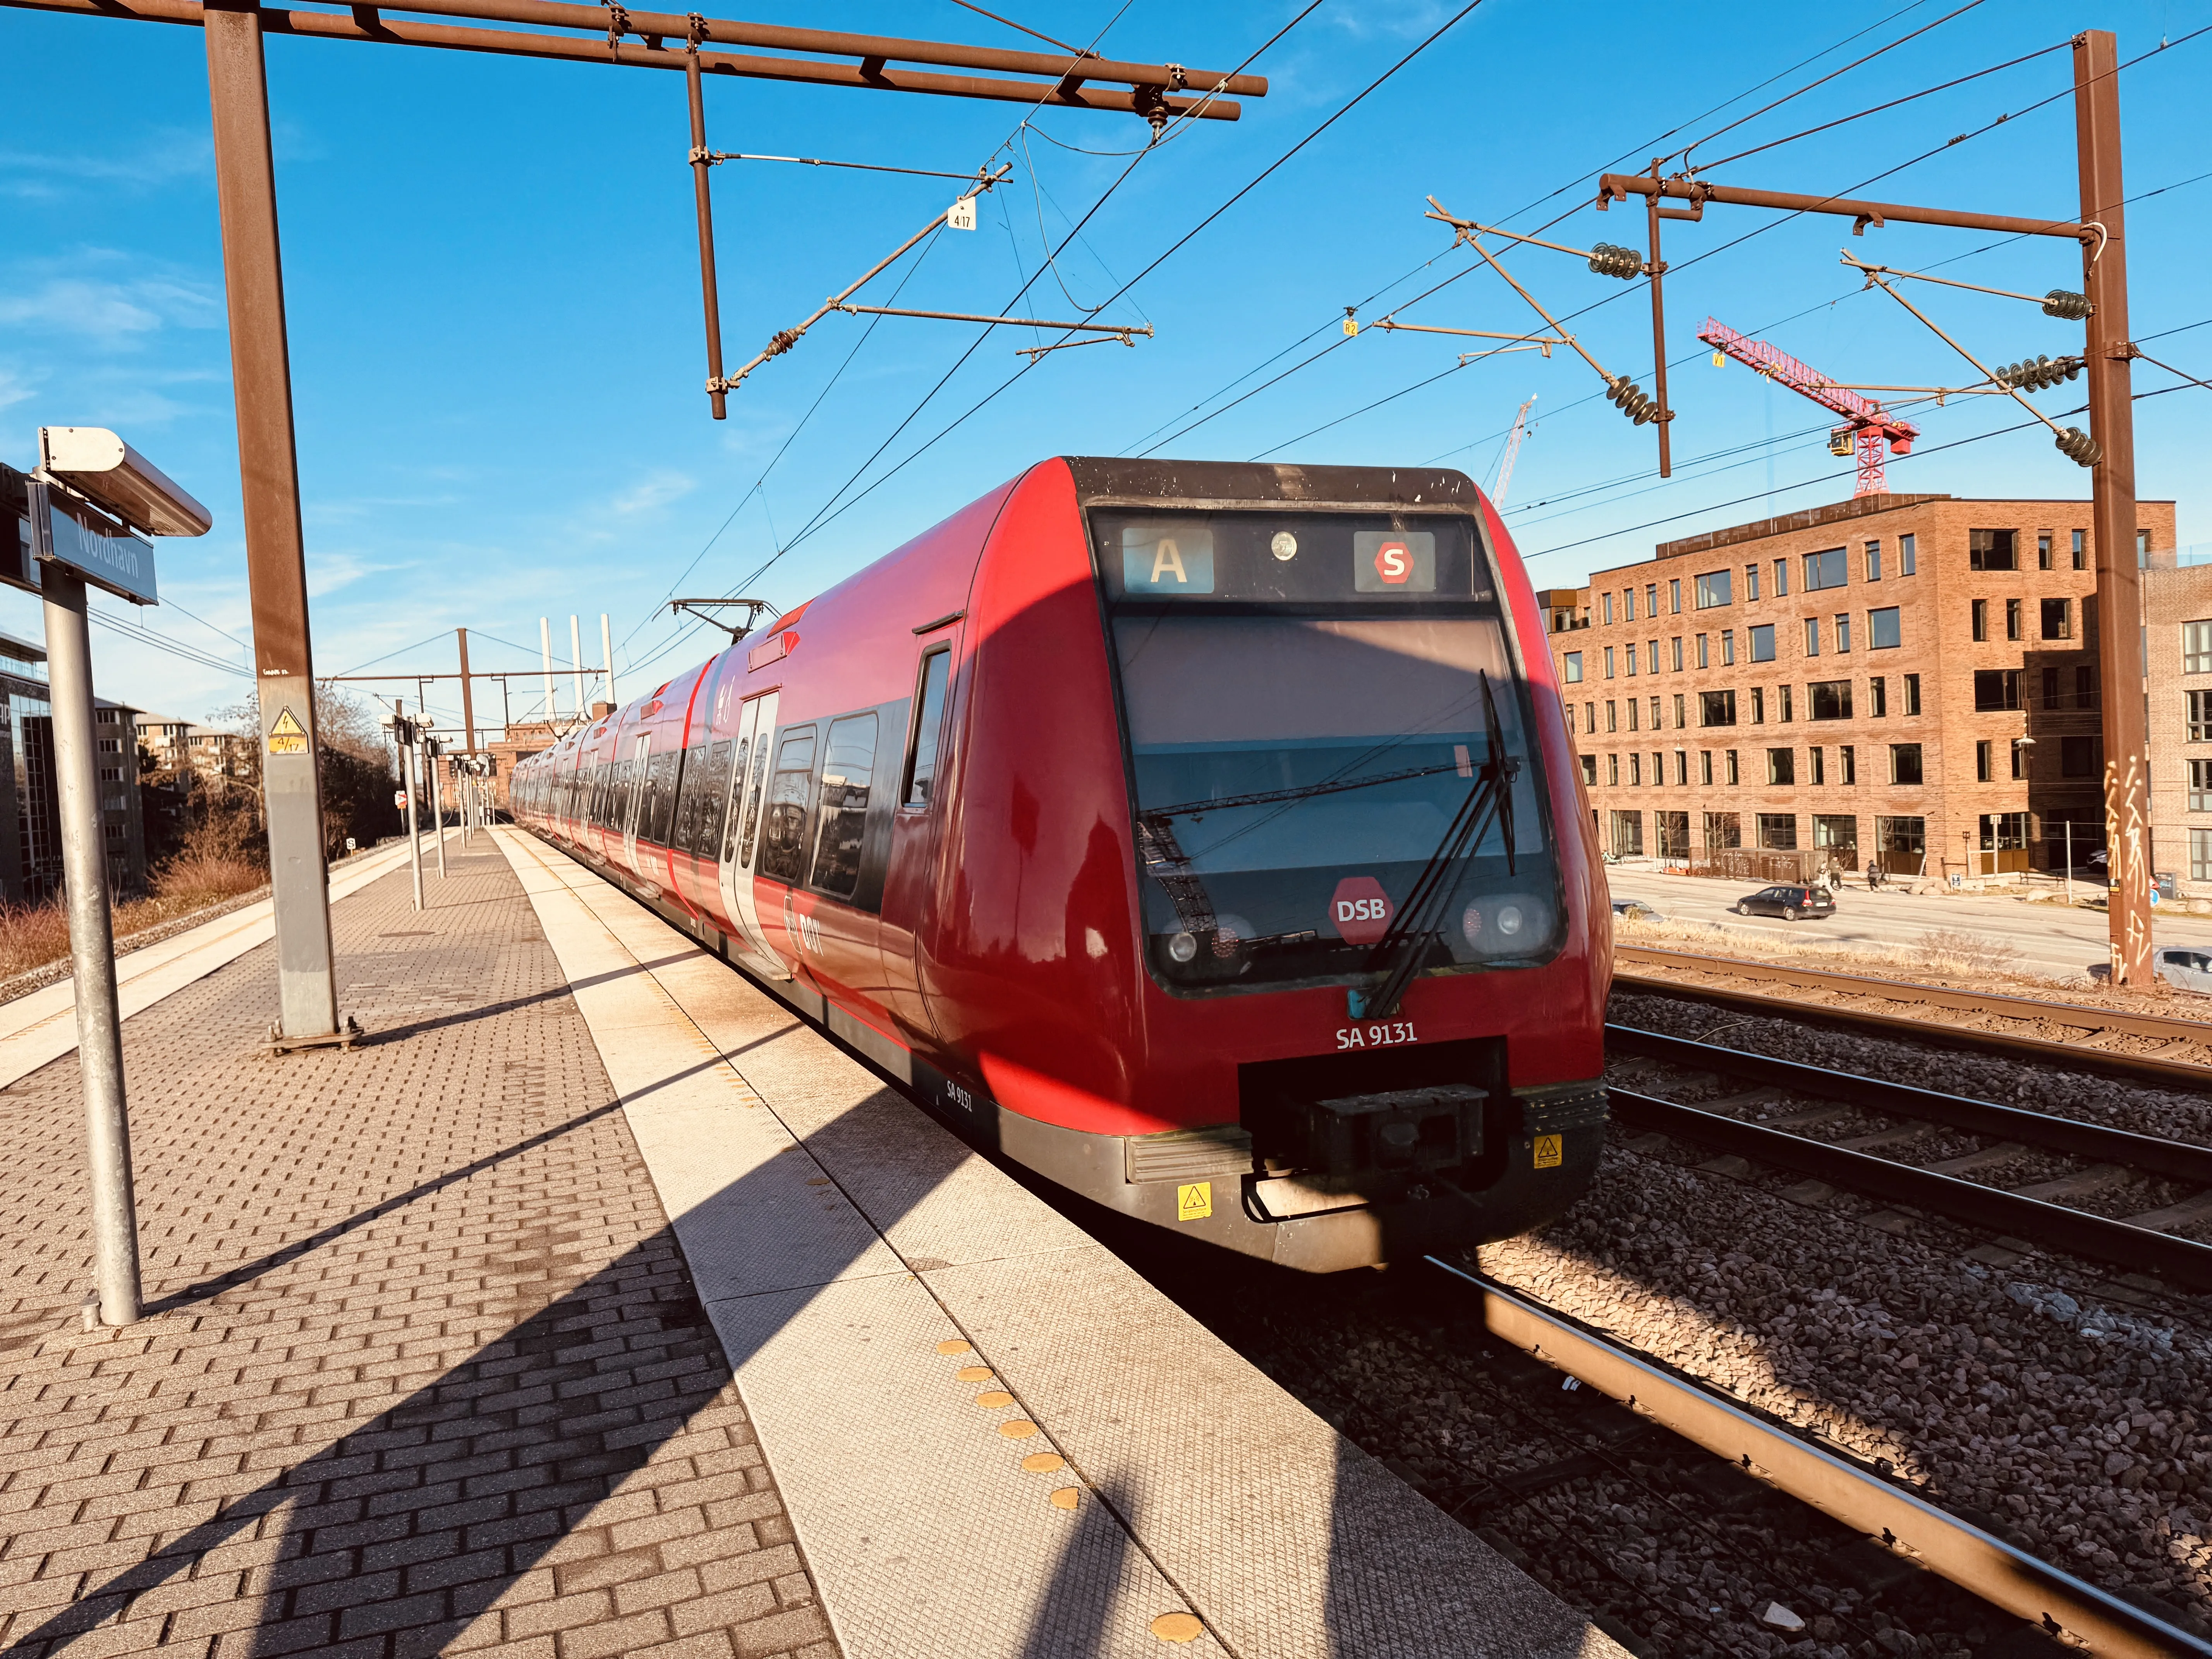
x=1177, y=1627
x=1018, y=1429
x=993, y=1398
x=1066, y=1498
x=954, y=1345
x=1043, y=1463
x=974, y=1373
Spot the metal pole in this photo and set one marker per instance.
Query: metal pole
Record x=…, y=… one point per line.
x=468, y=702
x=576, y=656
x=607, y=653
x=92, y=948
x=2070, y=864
x=275, y=562
x=436, y=790
x=701, y=168
x=545, y=645
x=2113, y=509
x=405, y=735
x=1659, y=335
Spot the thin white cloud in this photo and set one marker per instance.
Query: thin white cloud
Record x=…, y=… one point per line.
x=656, y=490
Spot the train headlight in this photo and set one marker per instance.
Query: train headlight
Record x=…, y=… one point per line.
x=1471, y=925
x=1510, y=920
x=1285, y=546
x=1182, y=946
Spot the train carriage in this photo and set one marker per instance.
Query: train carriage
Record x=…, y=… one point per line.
x=1206, y=837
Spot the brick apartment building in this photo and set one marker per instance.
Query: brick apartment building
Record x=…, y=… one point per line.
x=1906, y=678
x=2178, y=685
x=31, y=859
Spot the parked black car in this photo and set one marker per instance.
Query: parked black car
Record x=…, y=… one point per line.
x=1787, y=902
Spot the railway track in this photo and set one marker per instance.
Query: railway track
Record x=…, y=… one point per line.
x=2137, y=1242
x=1888, y=1514
x=2138, y=1047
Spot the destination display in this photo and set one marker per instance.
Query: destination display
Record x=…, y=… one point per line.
x=1287, y=558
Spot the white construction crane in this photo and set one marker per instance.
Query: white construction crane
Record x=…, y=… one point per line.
x=1512, y=451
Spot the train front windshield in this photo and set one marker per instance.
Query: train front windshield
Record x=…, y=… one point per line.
x=1329, y=746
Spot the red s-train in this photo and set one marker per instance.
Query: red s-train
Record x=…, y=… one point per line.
x=1205, y=838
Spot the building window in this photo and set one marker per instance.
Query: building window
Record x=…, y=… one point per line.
x=1672, y=830
x=1819, y=765
x=2200, y=716
x=1912, y=694
x=1812, y=636
x=111, y=774
x=2084, y=757
x=1827, y=569
x=2196, y=647
x=1778, y=830
x=1628, y=604
x=2012, y=619
x=1983, y=762
x=2085, y=688
x=2200, y=787
x=1682, y=770
x=1996, y=689
x=1989, y=549
x=1631, y=661
x=1781, y=579
x=1724, y=831
x=1574, y=662
x=1713, y=589
x=1705, y=655
x=1674, y=595
x=1608, y=662
x=1704, y=766
x=1878, y=694
x=1782, y=766
x=1981, y=618
x=1828, y=699
x=1652, y=598
x=1843, y=633
x=1847, y=762
x=1612, y=715
x=2057, y=619
x=1732, y=776
x=1750, y=582
x=114, y=832
x=1605, y=608
x=1655, y=721
x=2020, y=751
x=2050, y=687
x=1718, y=707
x=2200, y=855
x=110, y=745
x=1634, y=706
x=1680, y=719
x=1589, y=771
x=1786, y=714
x=1906, y=560
x=1884, y=630
x=1635, y=769
x=1589, y=717
x=1728, y=647
x=1758, y=706
x=1839, y=834
x=2081, y=549
x=1613, y=770
x=2143, y=549
x=1628, y=835
x=1654, y=664
x=1762, y=642
x=1905, y=762
x=2043, y=549
x=1678, y=653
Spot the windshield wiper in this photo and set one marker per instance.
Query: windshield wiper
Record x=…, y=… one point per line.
x=1400, y=953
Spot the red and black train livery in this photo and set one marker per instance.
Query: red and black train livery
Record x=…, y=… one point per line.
x=1205, y=838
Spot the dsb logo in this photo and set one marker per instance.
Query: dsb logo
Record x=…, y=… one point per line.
x=1360, y=911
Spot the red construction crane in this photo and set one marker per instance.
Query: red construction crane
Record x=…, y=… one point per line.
x=1869, y=428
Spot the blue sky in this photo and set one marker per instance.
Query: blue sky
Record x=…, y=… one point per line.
x=492, y=293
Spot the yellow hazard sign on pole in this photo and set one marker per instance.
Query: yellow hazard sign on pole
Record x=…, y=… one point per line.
x=1547, y=1152
x=1195, y=1202
x=288, y=736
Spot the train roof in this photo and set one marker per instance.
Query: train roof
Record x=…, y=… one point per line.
x=1100, y=478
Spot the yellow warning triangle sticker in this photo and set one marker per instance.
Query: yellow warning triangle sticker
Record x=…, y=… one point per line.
x=286, y=726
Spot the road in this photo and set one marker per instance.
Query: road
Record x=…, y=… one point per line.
x=2046, y=939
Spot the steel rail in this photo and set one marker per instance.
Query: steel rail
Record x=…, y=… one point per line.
x=2007, y=1578
x=2077, y=1232
x=872, y=75
x=2152, y=1154
x=2152, y=1068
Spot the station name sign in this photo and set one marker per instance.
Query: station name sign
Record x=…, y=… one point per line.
x=54, y=523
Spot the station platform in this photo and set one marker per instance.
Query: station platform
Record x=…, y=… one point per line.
x=598, y=1305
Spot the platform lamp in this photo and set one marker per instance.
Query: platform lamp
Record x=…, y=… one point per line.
x=88, y=509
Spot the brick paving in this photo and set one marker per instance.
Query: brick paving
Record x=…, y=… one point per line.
x=422, y=1371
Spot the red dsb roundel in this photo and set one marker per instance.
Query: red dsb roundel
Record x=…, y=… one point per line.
x=1393, y=562
x=1361, y=911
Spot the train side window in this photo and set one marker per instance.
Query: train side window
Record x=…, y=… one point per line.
x=929, y=720
x=752, y=807
x=708, y=790
x=731, y=814
x=849, y=763
x=783, y=833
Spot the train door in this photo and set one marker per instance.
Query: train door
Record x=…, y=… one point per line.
x=640, y=758
x=917, y=826
x=741, y=838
